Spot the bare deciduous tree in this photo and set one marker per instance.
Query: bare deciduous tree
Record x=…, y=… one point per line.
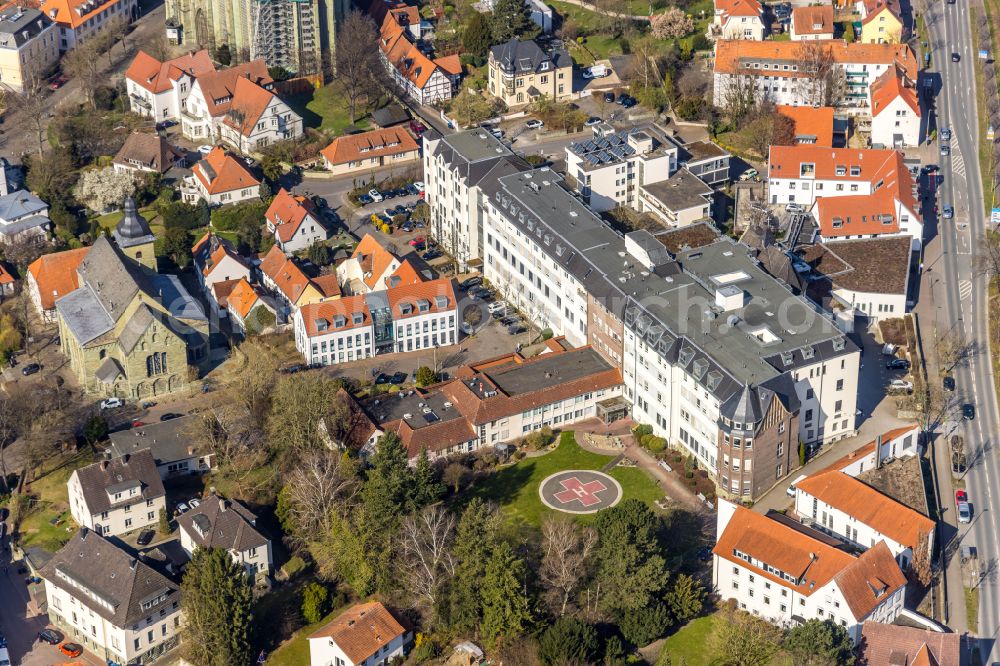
x=322, y=483
x=823, y=82
x=740, y=95
x=81, y=63
x=426, y=541
x=256, y=368
x=238, y=444
x=357, y=61
x=566, y=549
x=35, y=105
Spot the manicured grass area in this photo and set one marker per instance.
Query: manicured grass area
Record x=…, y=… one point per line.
x=515, y=488
x=690, y=642
x=49, y=502
x=972, y=609
x=326, y=109
x=295, y=651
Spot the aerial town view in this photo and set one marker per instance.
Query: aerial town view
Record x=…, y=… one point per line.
x=508, y=332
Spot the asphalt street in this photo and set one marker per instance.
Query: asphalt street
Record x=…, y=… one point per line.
x=959, y=295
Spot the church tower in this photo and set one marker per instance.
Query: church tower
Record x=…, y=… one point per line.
x=134, y=237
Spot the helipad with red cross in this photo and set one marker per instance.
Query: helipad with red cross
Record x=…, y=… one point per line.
x=580, y=491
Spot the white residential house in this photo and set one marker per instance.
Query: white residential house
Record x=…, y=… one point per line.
x=80, y=20
x=246, y=306
x=176, y=453
x=159, y=90
x=220, y=523
x=334, y=331
x=295, y=222
x=895, y=111
x=738, y=19
x=256, y=118
x=220, y=179
x=111, y=603
x=611, y=169
x=117, y=496
x=424, y=315
x=216, y=260
x=368, y=268
x=213, y=95
x=787, y=575
x=366, y=634
x=24, y=216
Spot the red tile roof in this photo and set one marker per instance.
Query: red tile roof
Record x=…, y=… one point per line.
x=450, y=64
x=880, y=643
x=291, y=281
x=55, y=274
x=327, y=285
x=156, y=76
x=813, y=20
x=287, y=212
x=811, y=122
x=374, y=259
x=6, y=277
x=404, y=55
x=223, y=290
x=867, y=505
x=219, y=88
x=75, y=13
x=888, y=87
x=225, y=174
x=865, y=581
x=406, y=274
x=366, y=145
x=273, y=261
x=362, y=630
x=242, y=298
x=328, y=312
x=412, y=297
x=247, y=106
x=729, y=8
x=730, y=52
x=869, y=448
x=874, y=7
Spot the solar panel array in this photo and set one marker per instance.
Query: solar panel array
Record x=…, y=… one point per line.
x=607, y=150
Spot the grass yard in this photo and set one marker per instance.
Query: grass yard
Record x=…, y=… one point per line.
x=49, y=502
x=515, y=488
x=690, y=642
x=295, y=651
x=326, y=109
x=972, y=609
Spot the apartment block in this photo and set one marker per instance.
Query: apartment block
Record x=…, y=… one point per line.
x=521, y=72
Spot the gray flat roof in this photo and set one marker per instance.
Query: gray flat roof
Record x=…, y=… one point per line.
x=476, y=144
x=546, y=371
x=679, y=297
x=681, y=191
x=703, y=150
x=409, y=406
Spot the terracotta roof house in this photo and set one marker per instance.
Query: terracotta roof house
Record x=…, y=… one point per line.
x=894, y=443
x=7, y=279
x=117, y=496
x=251, y=309
x=896, y=116
x=220, y=523
x=354, y=153
x=813, y=22
x=256, y=118
x=738, y=19
x=813, y=125
x=499, y=400
x=51, y=277
x=216, y=261
x=787, y=573
x=158, y=89
x=881, y=22
x=891, y=644
x=284, y=278
x=117, y=592
x=295, y=222
x=361, y=432
x=359, y=634
x=425, y=80
x=220, y=179
x=83, y=19
x=369, y=268
x=149, y=153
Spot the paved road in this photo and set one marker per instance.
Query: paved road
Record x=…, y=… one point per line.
x=960, y=298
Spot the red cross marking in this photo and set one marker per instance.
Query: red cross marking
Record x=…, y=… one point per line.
x=585, y=493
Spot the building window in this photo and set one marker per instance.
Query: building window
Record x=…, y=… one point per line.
x=156, y=364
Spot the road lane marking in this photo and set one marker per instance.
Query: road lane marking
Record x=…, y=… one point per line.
x=964, y=289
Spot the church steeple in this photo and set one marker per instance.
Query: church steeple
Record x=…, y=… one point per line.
x=134, y=236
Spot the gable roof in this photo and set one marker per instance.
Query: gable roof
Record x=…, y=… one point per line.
x=291, y=281
x=327, y=284
x=242, y=298
x=247, y=106
x=875, y=7
x=450, y=64
x=361, y=630
x=880, y=642
x=156, y=76
x=220, y=523
x=219, y=88
x=731, y=55
x=222, y=290
x=406, y=274
x=732, y=8
x=434, y=296
x=221, y=172
x=75, y=13
x=403, y=55
x=115, y=576
x=867, y=505
x=812, y=124
x=366, y=145
x=869, y=448
x=55, y=274
x=813, y=20
x=272, y=262
x=6, y=277
x=149, y=150
x=870, y=579
x=333, y=316
x=132, y=468
x=888, y=87
x=373, y=258
x=287, y=212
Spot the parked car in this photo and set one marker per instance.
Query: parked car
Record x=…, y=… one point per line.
x=30, y=369
x=948, y=212
x=593, y=120
x=418, y=241
x=901, y=386
x=138, y=424
x=418, y=186
x=965, y=512
x=111, y=403
x=470, y=282
x=898, y=364
x=431, y=254
x=949, y=383
x=968, y=411
x=205, y=149
x=382, y=378
x=397, y=378
x=57, y=82
x=534, y=123
x=794, y=208
x=71, y=649
x=514, y=329
x=375, y=195
x=364, y=200
x=609, y=97
x=145, y=537
x=750, y=174
x=170, y=415
x=627, y=101
x=388, y=194
x=183, y=507
x=945, y=136
x=497, y=306
x=498, y=133
x=194, y=502
x=961, y=496
x=945, y=149
x=417, y=127
x=50, y=636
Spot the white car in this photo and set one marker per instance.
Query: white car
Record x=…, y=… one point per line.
x=205, y=150
x=111, y=403
x=418, y=186
x=534, y=123
x=497, y=306
x=194, y=503
x=901, y=386
x=183, y=508
x=498, y=133
x=375, y=195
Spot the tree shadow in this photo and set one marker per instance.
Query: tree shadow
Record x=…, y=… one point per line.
x=298, y=104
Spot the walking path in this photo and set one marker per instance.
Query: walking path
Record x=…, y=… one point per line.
x=593, y=8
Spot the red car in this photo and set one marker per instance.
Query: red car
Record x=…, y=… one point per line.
x=71, y=649
x=137, y=424
x=419, y=240
x=961, y=496
x=57, y=82
x=417, y=127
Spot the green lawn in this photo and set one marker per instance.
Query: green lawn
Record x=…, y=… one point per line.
x=690, y=642
x=326, y=109
x=515, y=488
x=49, y=502
x=295, y=651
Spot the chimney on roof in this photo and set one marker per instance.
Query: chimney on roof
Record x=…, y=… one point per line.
x=125, y=458
x=132, y=563
x=104, y=464
x=878, y=452
x=223, y=504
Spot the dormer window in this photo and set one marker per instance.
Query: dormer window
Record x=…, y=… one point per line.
x=841, y=171
x=855, y=171
x=807, y=170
